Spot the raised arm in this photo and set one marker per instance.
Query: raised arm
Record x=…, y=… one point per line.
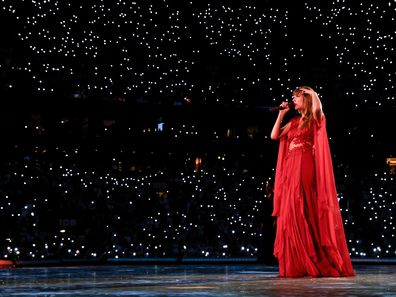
x=317, y=109
x=278, y=131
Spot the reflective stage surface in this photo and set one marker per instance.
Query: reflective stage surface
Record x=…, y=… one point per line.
x=191, y=280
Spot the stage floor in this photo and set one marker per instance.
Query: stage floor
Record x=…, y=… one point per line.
x=191, y=280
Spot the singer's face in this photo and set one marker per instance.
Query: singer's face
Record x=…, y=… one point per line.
x=298, y=101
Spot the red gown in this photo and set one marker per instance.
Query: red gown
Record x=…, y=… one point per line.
x=310, y=239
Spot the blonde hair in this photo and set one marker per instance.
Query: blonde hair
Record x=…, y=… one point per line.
x=312, y=107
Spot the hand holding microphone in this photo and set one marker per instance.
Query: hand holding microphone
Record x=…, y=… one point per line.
x=286, y=106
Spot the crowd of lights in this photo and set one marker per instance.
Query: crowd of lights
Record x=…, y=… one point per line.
x=158, y=225
x=166, y=50
x=361, y=36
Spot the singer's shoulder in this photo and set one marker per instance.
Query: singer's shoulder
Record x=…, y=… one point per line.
x=296, y=118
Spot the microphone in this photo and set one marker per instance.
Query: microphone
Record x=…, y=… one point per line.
x=277, y=108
